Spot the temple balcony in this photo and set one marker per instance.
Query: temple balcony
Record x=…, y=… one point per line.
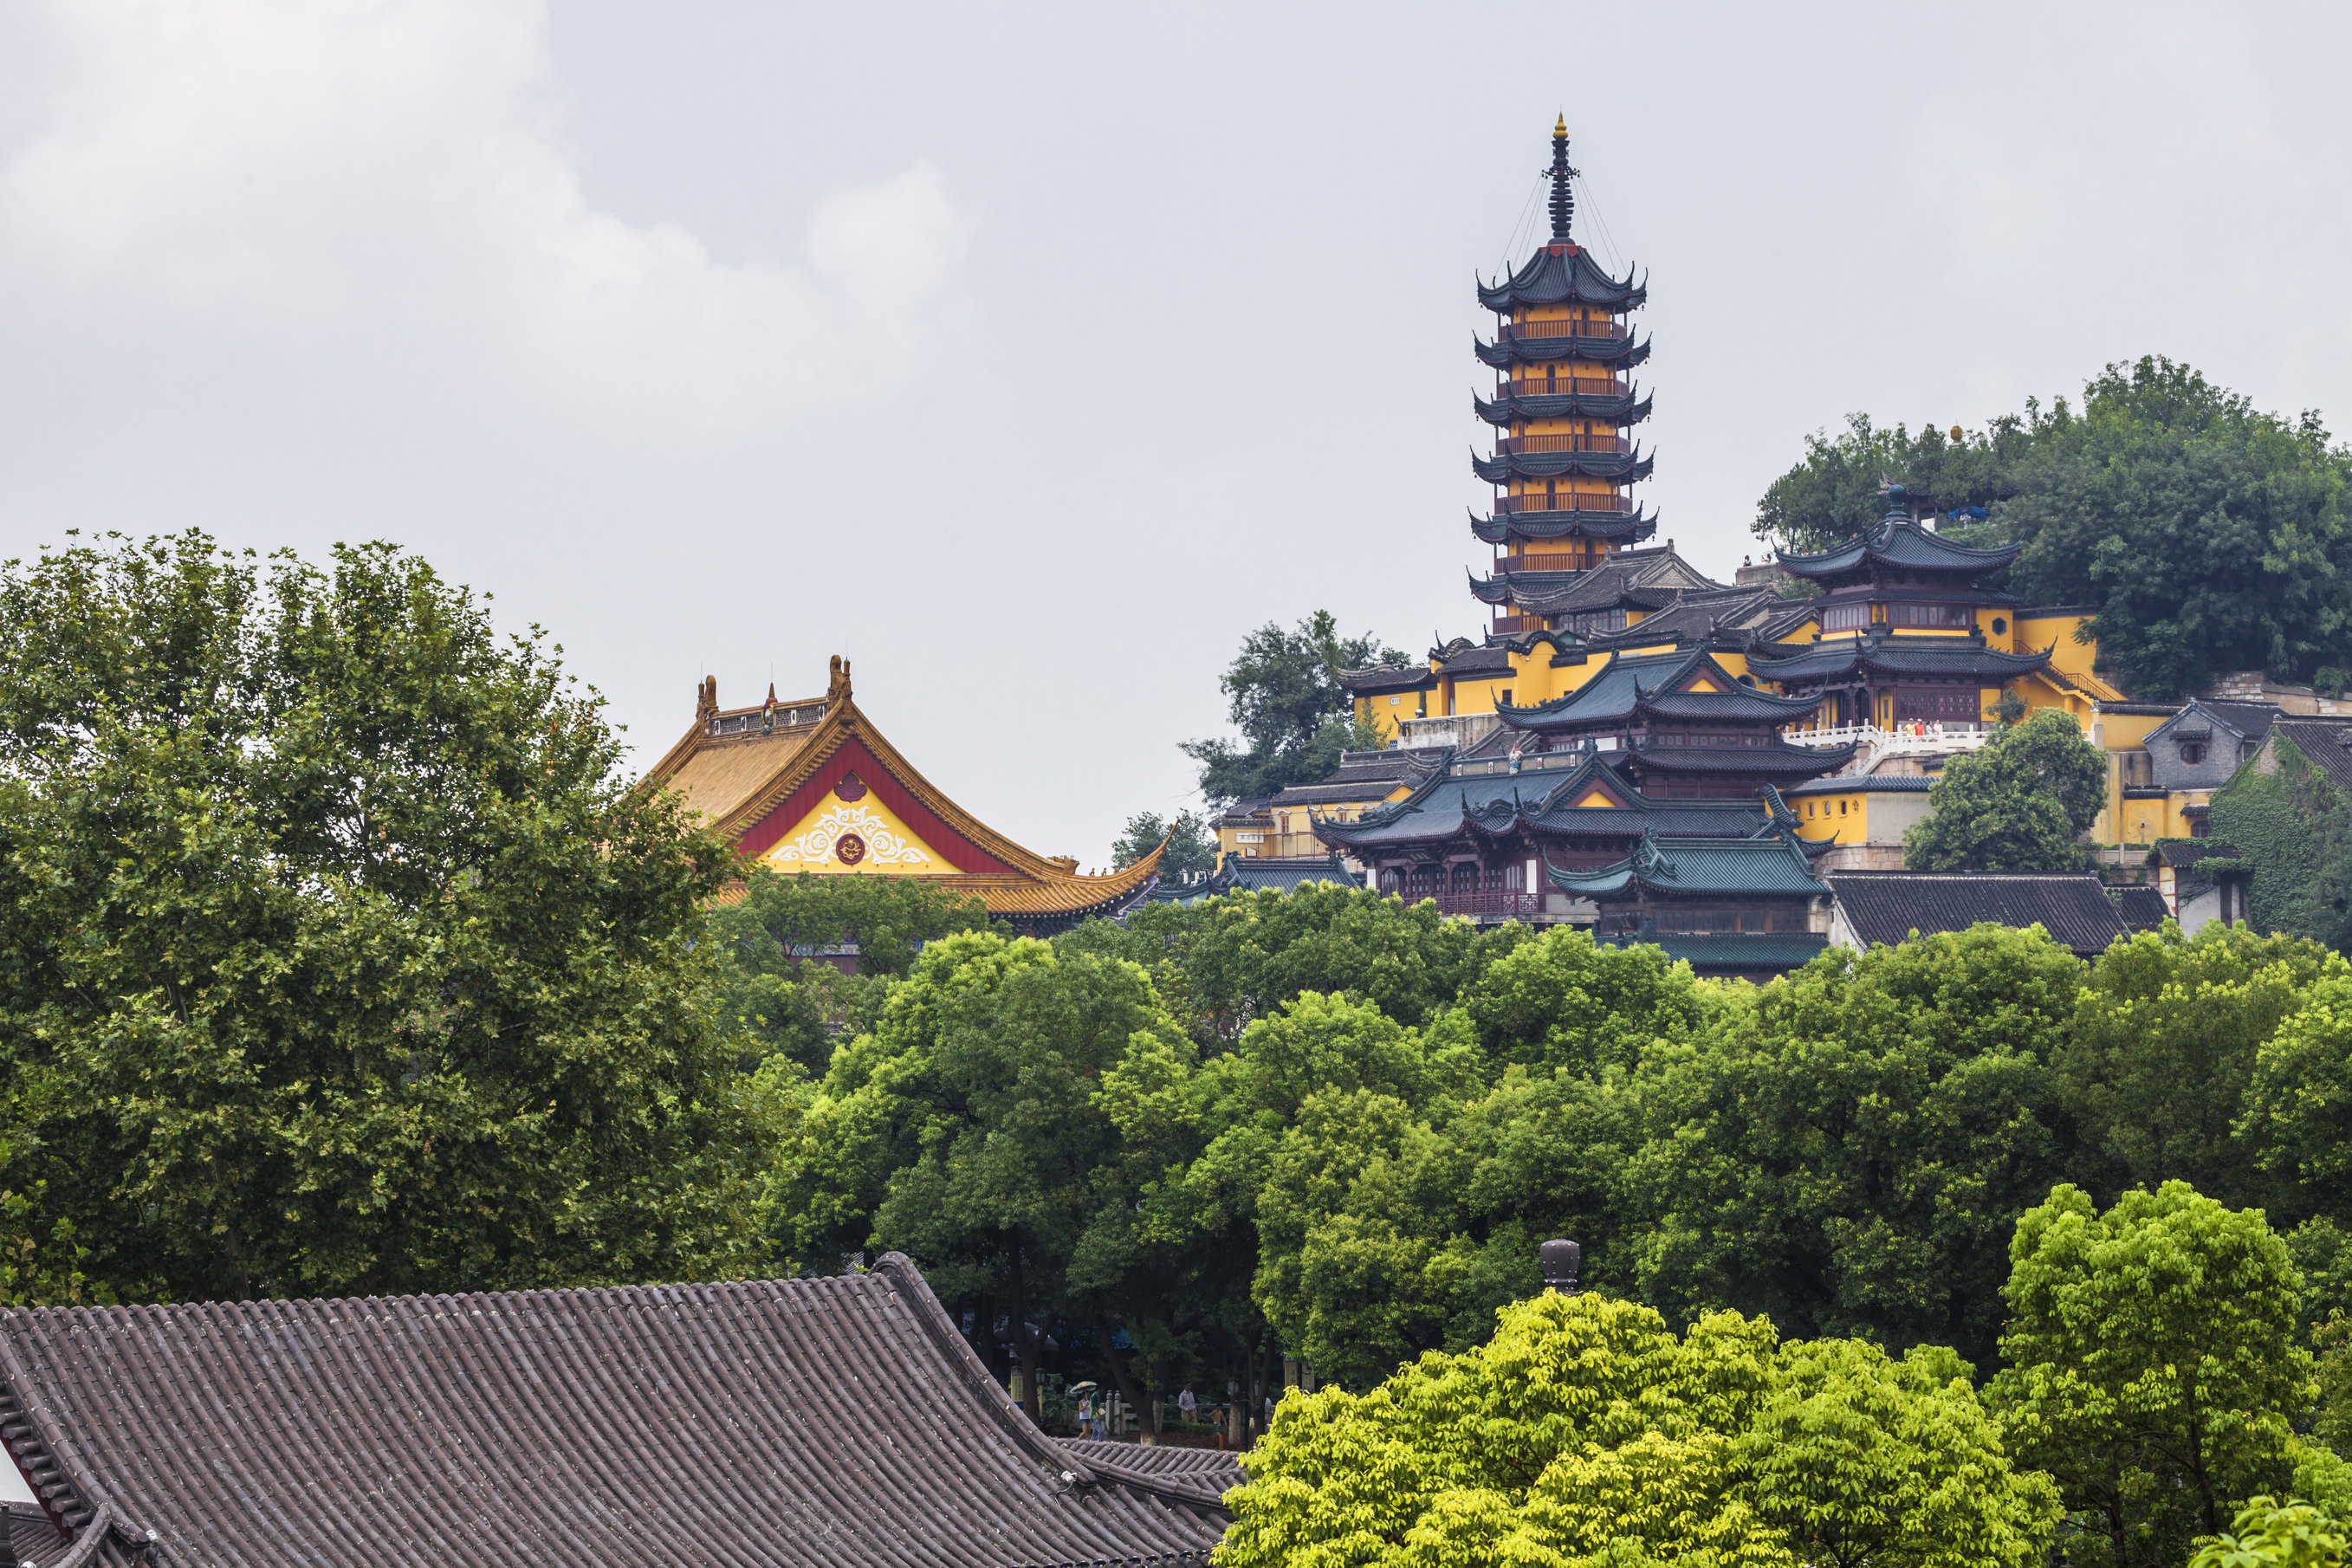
x=1563, y=387
x=1526, y=330
x=1260, y=844
x=1511, y=626
x=1519, y=446
x=1909, y=738
x=1550, y=560
x=1494, y=903
x=1576, y=500
x=1456, y=730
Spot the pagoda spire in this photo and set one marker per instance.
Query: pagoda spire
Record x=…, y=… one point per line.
x=1563, y=199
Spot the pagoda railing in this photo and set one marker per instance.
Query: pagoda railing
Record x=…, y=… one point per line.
x=1578, y=500
x=1488, y=903
x=1505, y=625
x=1542, y=562
x=1563, y=385
x=1521, y=444
x=1524, y=330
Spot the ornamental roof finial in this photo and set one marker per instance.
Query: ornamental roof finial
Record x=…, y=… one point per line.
x=1563, y=199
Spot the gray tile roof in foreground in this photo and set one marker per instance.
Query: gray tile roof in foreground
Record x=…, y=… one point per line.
x=1885, y=907
x=837, y=1421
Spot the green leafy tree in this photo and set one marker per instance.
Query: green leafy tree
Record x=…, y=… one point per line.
x=2296, y=1095
x=779, y=999
x=2274, y=1534
x=1294, y=716
x=2164, y=1049
x=1585, y=1432
x=1862, y=1461
x=1322, y=1140
x=2154, y=1366
x=2019, y=802
x=1835, y=491
x=338, y=955
x=2212, y=536
x=1191, y=849
x=1244, y=955
x=1563, y=1001
x=963, y=1130
x=1850, y=1152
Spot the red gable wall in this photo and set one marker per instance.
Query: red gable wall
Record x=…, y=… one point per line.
x=959, y=851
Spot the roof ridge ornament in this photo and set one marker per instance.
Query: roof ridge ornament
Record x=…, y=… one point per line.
x=837, y=689
x=1563, y=197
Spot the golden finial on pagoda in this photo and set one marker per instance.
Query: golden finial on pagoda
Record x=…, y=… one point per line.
x=1559, y=128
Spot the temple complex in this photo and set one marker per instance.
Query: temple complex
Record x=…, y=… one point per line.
x=811, y=785
x=1632, y=744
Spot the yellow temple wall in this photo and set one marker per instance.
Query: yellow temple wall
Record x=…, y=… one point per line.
x=2057, y=633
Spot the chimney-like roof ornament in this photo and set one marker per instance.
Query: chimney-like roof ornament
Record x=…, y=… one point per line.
x=1563, y=199
x=1559, y=1260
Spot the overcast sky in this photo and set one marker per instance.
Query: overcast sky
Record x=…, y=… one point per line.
x=1031, y=355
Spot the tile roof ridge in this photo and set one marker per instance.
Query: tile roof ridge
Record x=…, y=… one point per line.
x=931, y=1319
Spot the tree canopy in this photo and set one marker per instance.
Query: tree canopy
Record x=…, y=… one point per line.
x=2155, y=1368
x=333, y=955
x=1192, y=851
x=1294, y=718
x=2019, y=802
x=1585, y=1431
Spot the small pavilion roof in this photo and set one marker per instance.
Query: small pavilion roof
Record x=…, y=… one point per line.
x=1950, y=659
x=1594, y=799
x=1242, y=874
x=1772, y=866
x=1381, y=679
x=1631, y=684
x=1687, y=618
x=1896, y=541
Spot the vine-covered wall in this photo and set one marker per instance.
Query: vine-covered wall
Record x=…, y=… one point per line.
x=2275, y=821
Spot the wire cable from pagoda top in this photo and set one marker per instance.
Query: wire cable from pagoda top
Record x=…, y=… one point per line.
x=1599, y=222
x=1563, y=195
x=1525, y=223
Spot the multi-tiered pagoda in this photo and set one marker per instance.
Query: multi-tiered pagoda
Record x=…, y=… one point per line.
x=1563, y=411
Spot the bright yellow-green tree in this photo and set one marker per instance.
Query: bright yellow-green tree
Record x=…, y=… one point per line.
x=1587, y=1432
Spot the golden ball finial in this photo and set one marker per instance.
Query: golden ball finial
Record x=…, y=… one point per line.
x=1560, y=126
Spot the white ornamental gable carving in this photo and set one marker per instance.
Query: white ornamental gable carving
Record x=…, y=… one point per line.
x=884, y=844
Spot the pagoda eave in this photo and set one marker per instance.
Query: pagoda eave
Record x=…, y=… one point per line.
x=1618, y=353
x=1622, y=408
x=1550, y=525
x=1624, y=467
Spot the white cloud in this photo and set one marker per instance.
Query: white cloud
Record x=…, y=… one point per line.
x=386, y=183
